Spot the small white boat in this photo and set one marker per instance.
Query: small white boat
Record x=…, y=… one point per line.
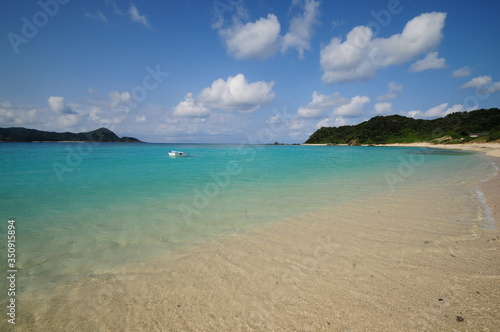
x=177, y=154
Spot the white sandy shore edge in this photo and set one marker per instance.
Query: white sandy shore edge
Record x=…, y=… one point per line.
x=491, y=149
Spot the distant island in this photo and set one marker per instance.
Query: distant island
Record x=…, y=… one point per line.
x=19, y=134
x=461, y=127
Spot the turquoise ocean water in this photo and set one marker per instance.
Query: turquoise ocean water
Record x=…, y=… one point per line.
x=84, y=207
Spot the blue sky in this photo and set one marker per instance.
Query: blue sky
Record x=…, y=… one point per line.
x=242, y=71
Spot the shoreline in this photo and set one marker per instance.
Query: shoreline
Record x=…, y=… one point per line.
x=389, y=262
x=490, y=149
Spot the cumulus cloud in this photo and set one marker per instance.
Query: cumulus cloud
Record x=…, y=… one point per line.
x=332, y=122
x=190, y=108
x=297, y=124
x=236, y=94
x=320, y=104
x=57, y=105
x=383, y=108
x=118, y=99
x=262, y=38
x=461, y=72
x=431, y=61
x=360, y=56
x=483, y=84
x=436, y=111
x=259, y=39
x=394, y=88
x=67, y=120
x=352, y=109
x=59, y=115
x=11, y=115
x=302, y=28
x=103, y=117
x=212, y=128
x=136, y=17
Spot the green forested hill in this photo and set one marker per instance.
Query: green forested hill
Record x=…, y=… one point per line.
x=455, y=127
x=19, y=134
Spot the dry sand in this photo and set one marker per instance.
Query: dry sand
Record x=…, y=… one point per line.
x=391, y=262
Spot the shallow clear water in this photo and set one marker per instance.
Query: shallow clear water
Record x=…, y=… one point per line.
x=81, y=207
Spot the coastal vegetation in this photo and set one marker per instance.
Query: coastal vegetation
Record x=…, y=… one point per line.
x=20, y=134
x=461, y=127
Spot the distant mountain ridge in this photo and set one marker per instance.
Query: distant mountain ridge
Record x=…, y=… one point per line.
x=460, y=127
x=20, y=134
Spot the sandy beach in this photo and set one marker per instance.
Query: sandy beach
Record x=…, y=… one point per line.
x=490, y=149
x=389, y=262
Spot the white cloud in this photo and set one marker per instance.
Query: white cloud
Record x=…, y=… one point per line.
x=67, y=120
x=98, y=16
x=477, y=82
x=102, y=116
x=190, y=108
x=258, y=39
x=11, y=115
x=360, y=56
x=140, y=118
x=236, y=94
x=261, y=39
x=353, y=109
x=136, y=17
x=301, y=28
x=211, y=128
x=118, y=99
x=461, y=72
x=320, y=104
x=383, y=108
x=60, y=115
x=483, y=84
x=431, y=61
x=394, y=87
x=332, y=122
x=436, y=111
x=274, y=119
x=57, y=105
x=297, y=124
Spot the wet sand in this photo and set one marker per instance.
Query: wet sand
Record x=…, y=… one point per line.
x=410, y=260
x=490, y=149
